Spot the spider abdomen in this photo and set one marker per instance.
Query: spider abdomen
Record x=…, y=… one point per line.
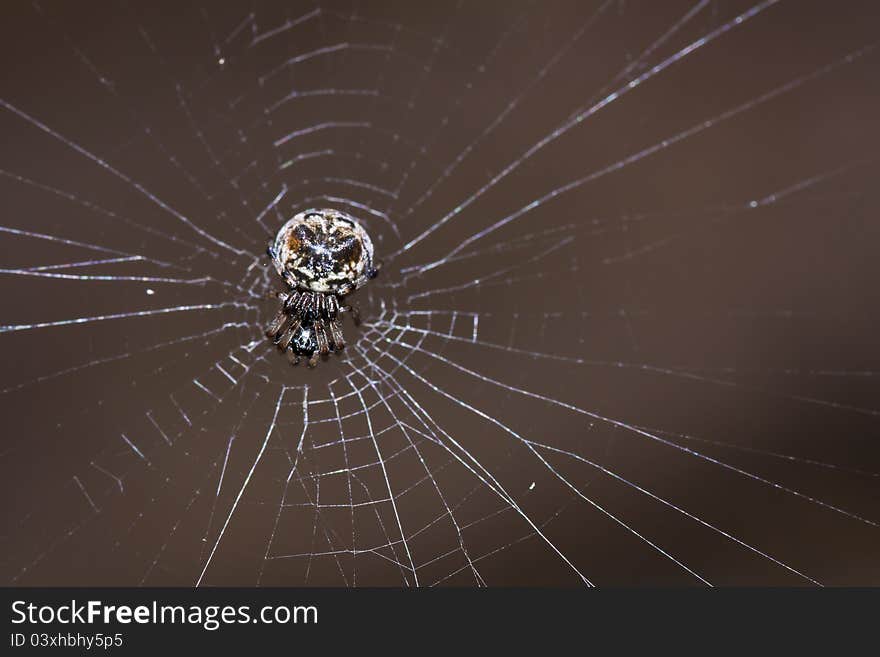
x=323, y=251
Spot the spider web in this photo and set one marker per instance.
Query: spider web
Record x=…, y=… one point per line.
x=624, y=332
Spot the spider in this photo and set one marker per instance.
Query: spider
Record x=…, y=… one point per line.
x=322, y=255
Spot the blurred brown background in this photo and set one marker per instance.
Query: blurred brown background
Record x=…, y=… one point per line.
x=664, y=371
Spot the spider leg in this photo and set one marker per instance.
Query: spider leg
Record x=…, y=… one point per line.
x=275, y=326
x=284, y=342
x=336, y=334
x=355, y=312
x=306, y=303
x=294, y=301
x=290, y=300
x=321, y=337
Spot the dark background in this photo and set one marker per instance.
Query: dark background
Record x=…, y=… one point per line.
x=696, y=317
